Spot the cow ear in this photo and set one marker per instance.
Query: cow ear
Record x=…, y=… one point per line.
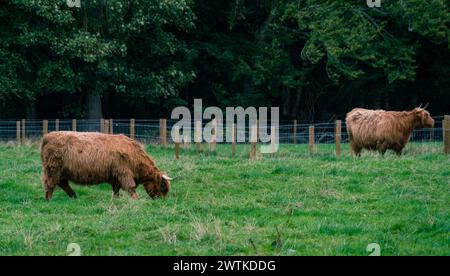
x=420, y=114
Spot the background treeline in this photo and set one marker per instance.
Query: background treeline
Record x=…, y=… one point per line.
x=316, y=59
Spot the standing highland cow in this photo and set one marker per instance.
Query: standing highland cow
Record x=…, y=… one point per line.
x=93, y=158
x=382, y=130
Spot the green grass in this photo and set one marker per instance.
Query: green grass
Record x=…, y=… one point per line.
x=286, y=204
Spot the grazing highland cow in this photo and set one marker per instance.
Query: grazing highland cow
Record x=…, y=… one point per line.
x=93, y=158
x=382, y=130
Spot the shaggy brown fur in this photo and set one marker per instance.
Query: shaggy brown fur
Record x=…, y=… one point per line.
x=93, y=158
x=382, y=130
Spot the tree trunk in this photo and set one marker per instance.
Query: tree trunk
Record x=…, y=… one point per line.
x=285, y=101
x=412, y=100
x=377, y=101
x=94, y=106
x=30, y=109
x=296, y=103
x=386, y=101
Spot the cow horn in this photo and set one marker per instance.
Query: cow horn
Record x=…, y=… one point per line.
x=420, y=106
x=425, y=107
x=166, y=177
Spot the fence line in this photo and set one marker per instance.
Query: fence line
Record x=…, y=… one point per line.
x=157, y=131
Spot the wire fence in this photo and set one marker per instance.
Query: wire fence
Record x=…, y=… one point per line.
x=158, y=131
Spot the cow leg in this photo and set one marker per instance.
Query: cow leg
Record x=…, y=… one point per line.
x=116, y=189
x=49, y=184
x=133, y=193
x=127, y=183
x=382, y=148
x=356, y=150
x=64, y=184
x=398, y=149
x=49, y=193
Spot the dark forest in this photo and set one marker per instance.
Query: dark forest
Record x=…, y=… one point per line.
x=315, y=59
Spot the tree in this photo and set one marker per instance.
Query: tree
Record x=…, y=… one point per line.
x=315, y=59
x=126, y=47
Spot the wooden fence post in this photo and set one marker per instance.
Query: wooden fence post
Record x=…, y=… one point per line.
x=57, y=125
x=74, y=125
x=212, y=145
x=132, y=128
x=253, y=140
x=295, y=132
x=177, y=142
x=106, y=129
x=198, y=135
x=23, y=132
x=432, y=134
x=338, y=137
x=273, y=139
x=446, y=130
x=163, y=131
x=233, y=139
x=186, y=142
x=44, y=127
x=111, y=127
x=102, y=125
x=18, y=132
x=257, y=130
x=311, y=140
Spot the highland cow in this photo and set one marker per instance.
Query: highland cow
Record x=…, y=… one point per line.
x=93, y=158
x=382, y=130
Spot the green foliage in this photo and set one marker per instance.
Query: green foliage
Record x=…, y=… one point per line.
x=291, y=53
x=353, y=39
x=48, y=47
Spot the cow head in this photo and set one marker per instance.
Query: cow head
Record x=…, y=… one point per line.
x=422, y=118
x=158, y=185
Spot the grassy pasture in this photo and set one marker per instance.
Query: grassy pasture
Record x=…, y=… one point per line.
x=286, y=204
